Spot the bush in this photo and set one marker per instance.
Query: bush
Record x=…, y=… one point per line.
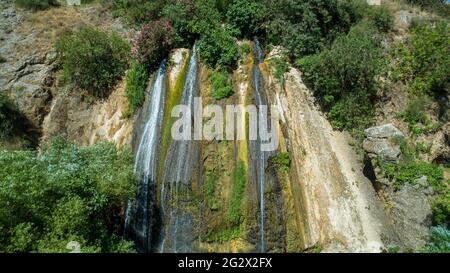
x=441, y=209
x=304, y=27
x=92, y=59
x=153, y=43
x=219, y=49
x=411, y=172
x=9, y=117
x=422, y=61
x=438, y=6
x=36, y=4
x=181, y=15
x=381, y=18
x=136, y=12
x=246, y=17
x=279, y=67
x=415, y=112
x=281, y=162
x=137, y=78
x=439, y=241
x=65, y=193
x=344, y=77
x=221, y=86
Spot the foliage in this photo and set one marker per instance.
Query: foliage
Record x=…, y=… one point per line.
x=441, y=208
x=422, y=61
x=220, y=84
x=415, y=111
x=438, y=6
x=344, y=77
x=279, y=67
x=411, y=172
x=65, y=193
x=36, y=4
x=246, y=17
x=218, y=49
x=92, y=59
x=136, y=12
x=181, y=16
x=382, y=18
x=245, y=49
x=153, y=43
x=304, y=27
x=137, y=78
x=281, y=161
x=439, y=241
x=9, y=117
x=235, y=215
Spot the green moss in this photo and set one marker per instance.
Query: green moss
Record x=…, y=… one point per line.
x=235, y=215
x=210, y=189
x=173, y=98
x=281, y=162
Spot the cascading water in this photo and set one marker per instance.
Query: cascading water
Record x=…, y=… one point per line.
x=139, y=215
x=179, y=166
x=259, y=157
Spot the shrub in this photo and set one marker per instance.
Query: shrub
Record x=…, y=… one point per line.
x=279, y=67
x=65, y=193
x=218, y=49
x=441, y=209
x=9, y=117
x=245, y=49
x=439, y=241
x=415, y=112
x=136, y=12
x=304, y=27
x=438, y=6
x=411, y=172
x=422, y=61
x=221, y=86
x=381, y=18
x=344, y=77
x=153, y=43
x=246, y=17
x=36, y=4
x=92, y=59
x=137, y=78
x=181, y=16
x=282, y=162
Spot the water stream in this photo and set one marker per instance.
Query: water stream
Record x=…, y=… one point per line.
x=139, y=218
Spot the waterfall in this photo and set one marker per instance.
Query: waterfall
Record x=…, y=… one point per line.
x=179, y=166
x=259, y=157
x=138, y=220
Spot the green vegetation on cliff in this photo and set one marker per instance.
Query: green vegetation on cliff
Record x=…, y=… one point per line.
x=137, y=78
x=64, y=193
x=92, y=59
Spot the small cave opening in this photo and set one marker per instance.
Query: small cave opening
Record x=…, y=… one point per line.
x=369, y=172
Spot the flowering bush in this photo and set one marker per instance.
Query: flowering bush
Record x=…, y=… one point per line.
x=153, y=43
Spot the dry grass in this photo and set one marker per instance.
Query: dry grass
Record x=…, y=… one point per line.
x=47, y=25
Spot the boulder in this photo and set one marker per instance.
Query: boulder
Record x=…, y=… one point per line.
x=411, y=214
x=381, y=142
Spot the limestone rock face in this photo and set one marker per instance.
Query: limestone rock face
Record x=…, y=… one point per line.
x=26, y=77
x=411, y=214
x=381, y=142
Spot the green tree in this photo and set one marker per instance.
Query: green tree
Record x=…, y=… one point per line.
x=92, y=59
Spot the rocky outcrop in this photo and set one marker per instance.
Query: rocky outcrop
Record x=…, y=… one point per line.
x=335, y=205
x=411, y=215
x=382, y=142
x=25, y=77
x=79, y=117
